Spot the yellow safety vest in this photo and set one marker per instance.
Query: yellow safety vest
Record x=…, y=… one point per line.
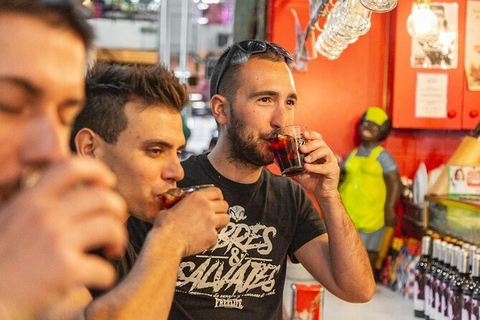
x=363, y=191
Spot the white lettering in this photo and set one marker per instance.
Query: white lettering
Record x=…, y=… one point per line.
x=229, y=303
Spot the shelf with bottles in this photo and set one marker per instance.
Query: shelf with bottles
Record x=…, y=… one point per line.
x=447, y=279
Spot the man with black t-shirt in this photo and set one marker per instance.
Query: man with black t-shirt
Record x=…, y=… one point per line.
x=271, y=217
x=253, y=94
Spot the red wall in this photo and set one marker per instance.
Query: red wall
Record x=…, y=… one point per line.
x=334, y=94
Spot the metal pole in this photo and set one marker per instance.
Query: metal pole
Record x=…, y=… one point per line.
x=164, y=35
x=183, y=41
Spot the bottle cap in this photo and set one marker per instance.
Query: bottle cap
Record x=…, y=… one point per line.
x=453, y=256
x=448, y=253
x=462, y=261
x=436, y=248
x=476, y=265
x=426, y=241
x=471, y=254
x=442, y=251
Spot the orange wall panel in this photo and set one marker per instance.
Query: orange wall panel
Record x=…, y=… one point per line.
x=405, y=76
x=334, y=94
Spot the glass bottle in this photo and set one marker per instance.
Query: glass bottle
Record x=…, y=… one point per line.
x=451, y=276
x=456, y=285
x=430, y=281
x=467, y=290
x=444, y=281
x=436, y=287
x=419, y=284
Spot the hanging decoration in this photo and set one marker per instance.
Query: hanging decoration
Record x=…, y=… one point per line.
x=346, y=20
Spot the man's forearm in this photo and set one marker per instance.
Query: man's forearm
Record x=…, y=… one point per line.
x=349, y=259
x=147, y=291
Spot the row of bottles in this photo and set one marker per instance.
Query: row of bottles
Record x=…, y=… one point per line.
x=447, y=280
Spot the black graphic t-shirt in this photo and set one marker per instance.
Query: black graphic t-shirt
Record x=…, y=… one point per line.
x=243, y=276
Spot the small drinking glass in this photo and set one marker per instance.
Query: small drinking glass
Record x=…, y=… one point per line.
x=355, y=18
x=285, y=147
x=326, y=51
x=172, y=196
x=380, y=5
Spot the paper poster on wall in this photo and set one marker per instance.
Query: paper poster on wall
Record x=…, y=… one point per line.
x=472, y=45
x=441, y=51
x=431, y=95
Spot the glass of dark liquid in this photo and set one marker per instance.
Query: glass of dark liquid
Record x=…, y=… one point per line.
x=285, y=146
x=172, y=196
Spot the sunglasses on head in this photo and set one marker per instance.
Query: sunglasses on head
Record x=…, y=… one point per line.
x=248, y=47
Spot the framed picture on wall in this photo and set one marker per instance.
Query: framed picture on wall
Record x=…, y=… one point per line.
x=472, y=46
x=464, y=180
x=440, y=51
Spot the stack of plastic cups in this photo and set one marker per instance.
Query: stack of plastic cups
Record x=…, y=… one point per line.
x=348, y=20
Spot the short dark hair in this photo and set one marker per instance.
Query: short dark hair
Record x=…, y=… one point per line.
x=110, y=86
x=68, y=14
x=231, y=78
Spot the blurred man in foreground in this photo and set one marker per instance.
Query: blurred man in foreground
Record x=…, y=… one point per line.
x=54, y=209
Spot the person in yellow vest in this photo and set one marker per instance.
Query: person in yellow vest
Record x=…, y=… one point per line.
x=370, y=185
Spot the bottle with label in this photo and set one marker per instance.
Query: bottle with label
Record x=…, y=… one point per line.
x=430, y=282
x=419, y=284
x=467, y=291
x=476, y=304
x=437, y=282
x=455, y=299
x=444, y=281
x=451, y=276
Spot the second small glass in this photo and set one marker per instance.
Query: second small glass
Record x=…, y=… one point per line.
x=172, y=196
x=380, y=5
x=285, y=146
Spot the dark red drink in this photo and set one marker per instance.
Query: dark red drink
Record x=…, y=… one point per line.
x=172, y=196
x=287, y=155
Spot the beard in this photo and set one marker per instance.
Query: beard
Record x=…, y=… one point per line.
x=244, y=148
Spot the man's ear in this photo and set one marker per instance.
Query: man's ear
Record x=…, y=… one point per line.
x=86, y=142
x=219, y=106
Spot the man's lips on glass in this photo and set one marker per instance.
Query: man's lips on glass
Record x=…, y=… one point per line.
x=269, y=138
x=169, y=198
x=172, y=196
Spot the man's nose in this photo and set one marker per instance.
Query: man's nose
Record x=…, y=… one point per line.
x=46, y=140
x=173, y=171
x=281, y=117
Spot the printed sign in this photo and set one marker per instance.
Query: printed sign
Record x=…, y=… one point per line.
x=464, y=180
